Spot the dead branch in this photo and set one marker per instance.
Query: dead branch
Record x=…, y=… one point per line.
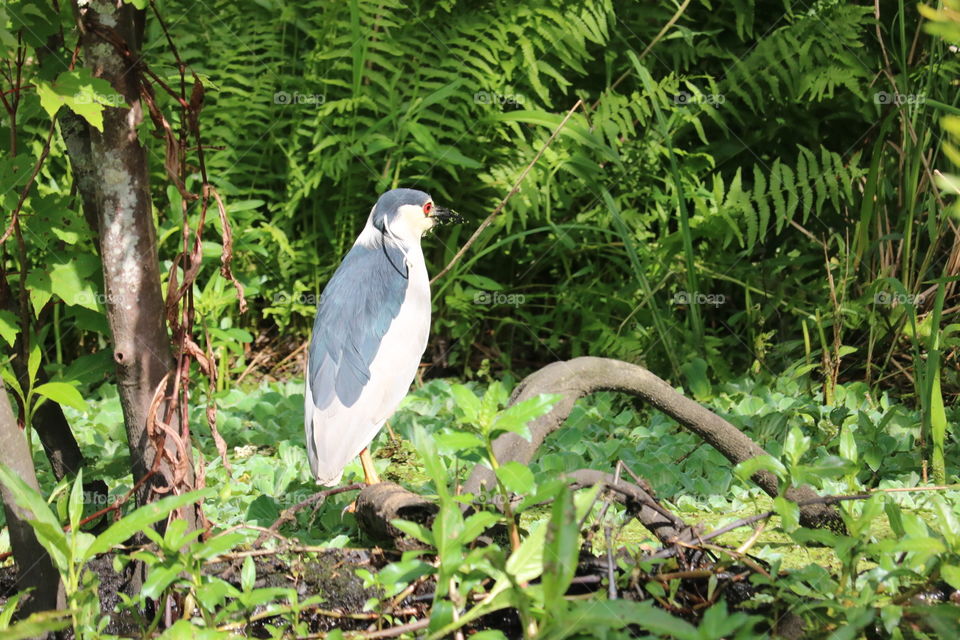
x=379, y=504
x=579, y=377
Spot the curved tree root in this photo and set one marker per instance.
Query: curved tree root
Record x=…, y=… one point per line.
x=379, y=504
x=576, y=378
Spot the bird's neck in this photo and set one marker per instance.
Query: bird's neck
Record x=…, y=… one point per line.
x=373, y=238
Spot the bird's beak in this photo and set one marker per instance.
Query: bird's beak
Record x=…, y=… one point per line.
x=443, y=215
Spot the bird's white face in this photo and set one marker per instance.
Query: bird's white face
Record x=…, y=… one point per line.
x=412, y=221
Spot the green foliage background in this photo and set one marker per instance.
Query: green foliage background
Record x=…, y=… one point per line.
x=752, y=149
x=745, y=199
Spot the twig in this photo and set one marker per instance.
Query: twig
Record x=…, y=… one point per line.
x=516, y=187
x=287, y=514
x=392, y=632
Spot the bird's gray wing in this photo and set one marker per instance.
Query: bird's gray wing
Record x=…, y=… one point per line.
x=355, y=311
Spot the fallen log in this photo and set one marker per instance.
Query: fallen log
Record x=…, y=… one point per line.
x=579, y=377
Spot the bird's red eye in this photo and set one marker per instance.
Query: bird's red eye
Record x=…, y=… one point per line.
x=427, y=208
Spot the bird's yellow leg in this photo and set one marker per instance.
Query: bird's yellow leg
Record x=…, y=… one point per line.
x=369, y=472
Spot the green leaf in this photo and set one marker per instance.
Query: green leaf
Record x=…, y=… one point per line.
x=695, y=371
x=516, y=417
x=141, y=518
x=468, y=402
x=49, y=532
x=951, y=573
x=217, y=545
x=70, y=281
x=796, y=445
x=516, y=477
x=248, y=574
x=9, y=327
x=848, y=445
x=562, y=549
x=457, y=441
x=75, y=506
x=33, y=363
x=64, y=394
x=747, y=468
x=476, y=524
x=263, y=511
x=414, y=530
x=159, y=578
x=211, y=595
x=38, y=625
x=526, y=563
x=40, y=290
x=80, y=92
x=788, y=511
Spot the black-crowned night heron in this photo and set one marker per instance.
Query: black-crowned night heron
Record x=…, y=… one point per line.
x=369, y=335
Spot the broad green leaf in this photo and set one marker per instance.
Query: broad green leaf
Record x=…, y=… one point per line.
x=414, y=530
x=468, y=402
x=457, y=441
x=516, y=477
x=788, y=511
x=159, y=578
x=63, y=394
x=747, y=468
x=70, y=281
x=951, y=573
x=82, y=93
x=476, y=524
x=516, y=418
x=40, y=290
x=141, y=518
x=795, y=445
x=217, y=545
x=9, y=327
x=212, y=594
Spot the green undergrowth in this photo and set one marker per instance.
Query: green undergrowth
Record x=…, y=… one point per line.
x=896, y=541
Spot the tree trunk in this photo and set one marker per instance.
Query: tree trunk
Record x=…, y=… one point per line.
x=116, y=185
x=34, y=567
